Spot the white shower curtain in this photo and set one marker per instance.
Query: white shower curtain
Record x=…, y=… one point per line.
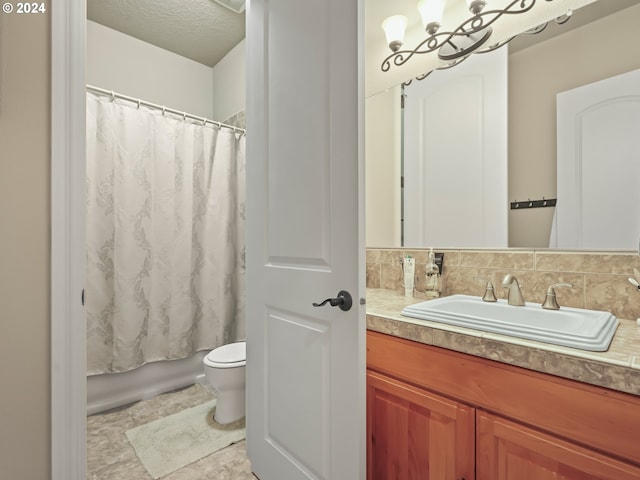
x=165, y=235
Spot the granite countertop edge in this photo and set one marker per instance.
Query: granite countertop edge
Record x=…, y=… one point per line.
x=616, y=369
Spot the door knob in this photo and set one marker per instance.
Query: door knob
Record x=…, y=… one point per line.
x=343, y=300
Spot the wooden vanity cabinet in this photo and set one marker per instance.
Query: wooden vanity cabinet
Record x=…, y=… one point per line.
x=441, y=415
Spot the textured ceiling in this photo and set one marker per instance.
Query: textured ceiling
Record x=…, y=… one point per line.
x=201, y=30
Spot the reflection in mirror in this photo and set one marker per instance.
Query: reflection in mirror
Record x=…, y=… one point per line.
x=455, y=155
x=594, y=45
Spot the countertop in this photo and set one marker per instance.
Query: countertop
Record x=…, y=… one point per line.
x=618, y=368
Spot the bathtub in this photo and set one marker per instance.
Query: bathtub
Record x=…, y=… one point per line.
x=108, y=391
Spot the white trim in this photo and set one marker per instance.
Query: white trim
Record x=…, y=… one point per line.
x=68, y=331
x=362, y=248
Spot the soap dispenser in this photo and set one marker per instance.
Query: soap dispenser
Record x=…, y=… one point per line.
x=433, y=285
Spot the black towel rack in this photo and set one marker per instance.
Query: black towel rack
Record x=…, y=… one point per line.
x=545, y=202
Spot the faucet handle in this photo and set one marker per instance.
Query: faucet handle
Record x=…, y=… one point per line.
x=550, y=302
x=489, y=293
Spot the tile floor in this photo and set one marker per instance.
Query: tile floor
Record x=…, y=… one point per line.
x=110, y=456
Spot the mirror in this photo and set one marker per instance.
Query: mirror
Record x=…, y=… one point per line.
x=598, y=42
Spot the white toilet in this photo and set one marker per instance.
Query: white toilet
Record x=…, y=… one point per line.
x=224, y=370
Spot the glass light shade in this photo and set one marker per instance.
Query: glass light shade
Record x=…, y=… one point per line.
x=394, y=28
x=431, y=12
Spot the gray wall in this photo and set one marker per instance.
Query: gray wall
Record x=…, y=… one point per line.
x=24, y=254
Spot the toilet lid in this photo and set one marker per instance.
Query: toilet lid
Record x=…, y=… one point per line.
x=231, y=353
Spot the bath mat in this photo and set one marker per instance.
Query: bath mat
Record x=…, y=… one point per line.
x=167, y=444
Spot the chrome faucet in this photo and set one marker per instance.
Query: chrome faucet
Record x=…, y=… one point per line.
x=515, y=294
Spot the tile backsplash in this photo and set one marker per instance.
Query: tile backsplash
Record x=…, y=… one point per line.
x=599, y=278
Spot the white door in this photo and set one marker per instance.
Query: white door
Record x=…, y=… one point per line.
x=305, y=364
x=599, y=165
x=455, y=155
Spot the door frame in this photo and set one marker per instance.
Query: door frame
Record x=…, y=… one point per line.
x=68, y=329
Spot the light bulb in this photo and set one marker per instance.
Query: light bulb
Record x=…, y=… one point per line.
x=431, y=12
x=394, y=28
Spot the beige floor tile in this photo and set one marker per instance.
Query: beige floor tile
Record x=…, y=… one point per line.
x=110, y=456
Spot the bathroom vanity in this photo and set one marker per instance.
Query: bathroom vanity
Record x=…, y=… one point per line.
x=452, y=403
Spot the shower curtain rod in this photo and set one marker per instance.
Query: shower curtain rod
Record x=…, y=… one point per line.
x=164, y=109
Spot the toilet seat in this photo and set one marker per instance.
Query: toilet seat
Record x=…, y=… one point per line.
x=227, y=356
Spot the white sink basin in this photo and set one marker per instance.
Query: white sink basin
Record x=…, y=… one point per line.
x=570, y=327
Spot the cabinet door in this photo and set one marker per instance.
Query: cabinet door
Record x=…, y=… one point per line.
x=417, y=435
x=509, y=451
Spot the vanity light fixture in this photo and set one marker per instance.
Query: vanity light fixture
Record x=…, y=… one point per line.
x=456, y=45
